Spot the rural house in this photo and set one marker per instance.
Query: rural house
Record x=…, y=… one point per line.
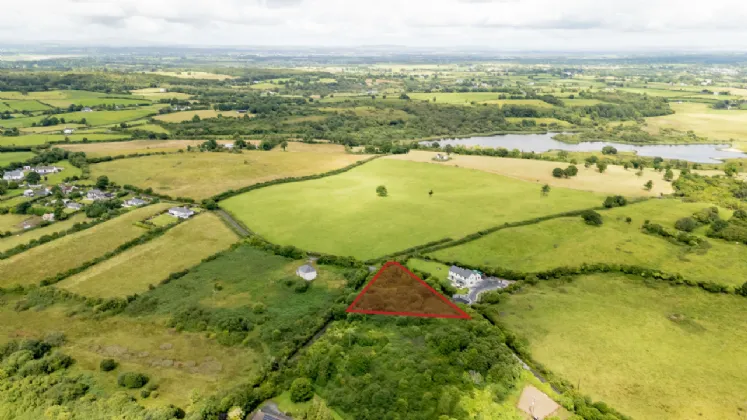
x=13, y=176
x=68, y=131
x=73, y=205
x=28, y=193
x=43, y=170
x=96, y=195
x=87, y=109
x=461, y=277
x=67, y=189
x=48, y=217
x=306, y=272
x=134, y=202
x=181, y=212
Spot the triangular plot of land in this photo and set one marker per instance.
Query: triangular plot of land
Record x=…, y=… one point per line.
x=395, y=290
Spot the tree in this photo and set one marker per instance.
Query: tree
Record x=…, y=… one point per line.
x=592, y=218
x=107, y=365
x=430, y=193
x=686, y=224
x=730, y=169
x=284, y=145
x=33, y=178
x=545, y=189
x=570, y=171
x=196, y=118
x=449, y=149
x=239, y=144
x=558, y=173
x=615, y=201
x=601, y=166
x=609, y=150
x=668, y=175
x=301, y=390
x=381, y=191
x=132, y=380
x=649, y=185
x=102, y=182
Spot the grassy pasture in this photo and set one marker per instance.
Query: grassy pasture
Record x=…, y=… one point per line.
x=615, y=180
x=11, y=105
x=570, y=242
x=37, y=139
x=152, y=127
x=581, y=102
x=26, y=237
x=343, y=215
x=51, y=95
x=194, y=75
x=177, y=117
x=718, y=125
x=156, y=94
x=7, y=158
x=92, y=118
x=12, y=222
x=129, y=147
x=56, y=129
x=12, y=202
x=132, y=271
x=649, y=350
x=64, y=103
x=36, y=264
x=69, y=171
x=136, y=343
x=200, y=175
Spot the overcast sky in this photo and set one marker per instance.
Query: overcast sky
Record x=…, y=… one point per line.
x=607, y=25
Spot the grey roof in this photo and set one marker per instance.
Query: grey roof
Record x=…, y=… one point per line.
x=73, y=205
x=14, y=173
x=306, y=268
x=135, y=201
x=180, y=210
x=460, y=271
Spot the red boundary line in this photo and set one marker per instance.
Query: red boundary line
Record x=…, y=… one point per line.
x=463, y=315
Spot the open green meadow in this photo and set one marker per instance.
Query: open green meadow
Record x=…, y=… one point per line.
x=467, y=98
x=177, y=117
x=36, y=264
x=11, y=105
x=26, y=237
x=63, y=103
x=343, y=215
x=51, y=95
x=648, y=349
x=571, y=242
x=12, y=222
x=200, y=175
x=156, y=94
x=137, y=268
x=38, y=139
x=6, y=158
x=69, y=171
x=717, y=125
x=92, y=118
x=98, y=149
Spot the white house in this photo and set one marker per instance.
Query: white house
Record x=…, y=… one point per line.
x=306, y=272
x=86, y=109
x=461, y=277
x=68, y=131
x=14, y=175
x=134, y=202
x=181, y=212
x=96, y=195
x=163, y=90
x=73, y=205
x=43, y=170
x=48, y=217
x=28, y=193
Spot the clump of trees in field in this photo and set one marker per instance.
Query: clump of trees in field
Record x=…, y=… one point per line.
x=568, y=172
x=592, y=218
x=615, y=201
x=381, y=191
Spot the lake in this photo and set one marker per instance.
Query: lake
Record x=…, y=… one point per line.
x=539, y=143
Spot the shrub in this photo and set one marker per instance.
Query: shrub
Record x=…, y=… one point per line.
x=615, y=201
x=686, y=224
x=381, y=191
x=592, y=218
x=558, y=173
x=301, y=390
x=132, y=380
x=108, y=365
x=570, y=171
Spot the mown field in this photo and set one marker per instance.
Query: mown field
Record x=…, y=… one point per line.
x=156, y=94
x=343, y=215
x=466, y=98
x=717, y=125
x=6, y=158
x=200, y=175
x=12, y=222
x=92, y=118
x=38, y=139
x=650, y=350
x=177, y=117
x=571, y=242
x=36, y=264
x=615, y=180
x=134, y=270
x=194, y=75
x=26, y=237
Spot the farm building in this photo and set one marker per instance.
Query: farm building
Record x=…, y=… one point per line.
x=441, y=157
x=73, y=205
x=68, y=131
x=86, y=109
x=181, y=212
x=48, y=217
x=13, y=175
x=461, y=277
x=43, y=170
x=306, y=272
x=96, y=195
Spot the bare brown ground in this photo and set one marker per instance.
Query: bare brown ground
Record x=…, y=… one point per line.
x=536, y=403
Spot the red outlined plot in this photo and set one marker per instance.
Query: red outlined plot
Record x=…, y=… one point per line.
x=395, y=290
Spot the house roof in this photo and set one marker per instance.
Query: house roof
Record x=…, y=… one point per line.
x=14, y=173
x=180, y=210
x=305, y=269
x=460, y=271
x=136, y=201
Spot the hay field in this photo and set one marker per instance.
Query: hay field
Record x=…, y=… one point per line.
x=200, y=175
x=134, y=146
x=615, y=180
x=343, y=215
x=156, y=94
x=649, y=350
x=177, y=117
x=20, y=105
x=92, y=118
x=132, y=271
x=26, y=237
x=718, y=125
x=571, y=242
x=194, y=75
x=12, y=222
x=34, y=265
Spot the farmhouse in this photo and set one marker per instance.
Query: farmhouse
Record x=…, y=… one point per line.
x=28, y=193
x=441, y=157
x=42, y=192
x=134, y=202
x=306, y=272
x=162, y=90
x=43, y=170
x=181, y=212
x=73, y=205
x=87, y=109
x=67, y=189
x=461, y=277
x=13, y=176
x=97, y=195
x=48, y=217
x=68, y=131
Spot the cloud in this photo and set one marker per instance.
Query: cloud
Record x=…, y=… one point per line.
x=498, y=24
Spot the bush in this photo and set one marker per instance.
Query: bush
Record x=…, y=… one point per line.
x=615, y=201
x=686, y=224
x=570, y=171
x=592, y=218
x=558, y=173
x=132, y=380
x=381, y=191
x=107, y=365
x=301, y=390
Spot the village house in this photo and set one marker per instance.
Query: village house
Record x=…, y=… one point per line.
x=134, y=202
x=461, y=277
x=97, y=195
x=44, y=170
x=68, y=131
x=163, y=90
x=48, y=217
x=87, y=109
x=13, y=175
x=306, y=272
x=28, y=193
x=73, y=205
x=181, y=212
x=67, y=189
x=42, y=192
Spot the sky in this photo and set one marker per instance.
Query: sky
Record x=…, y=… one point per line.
x=504, y=25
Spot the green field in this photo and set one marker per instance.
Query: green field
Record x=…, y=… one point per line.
x=717, y=125
x=650, y=350
x=64, y=103
x=7, y=158
x=26, y=237
x=343, y=215
x=570, y=242
x=176, y=117
x=37, y=139
x=12, y=222
x=34, y=265
x=51, y=95
x=200, y=175
x=134, y=270
x=10, y=105
x=92, y=118
x=162, y=220
x=467, y=98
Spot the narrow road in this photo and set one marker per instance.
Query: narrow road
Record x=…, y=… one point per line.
x=241, y=230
